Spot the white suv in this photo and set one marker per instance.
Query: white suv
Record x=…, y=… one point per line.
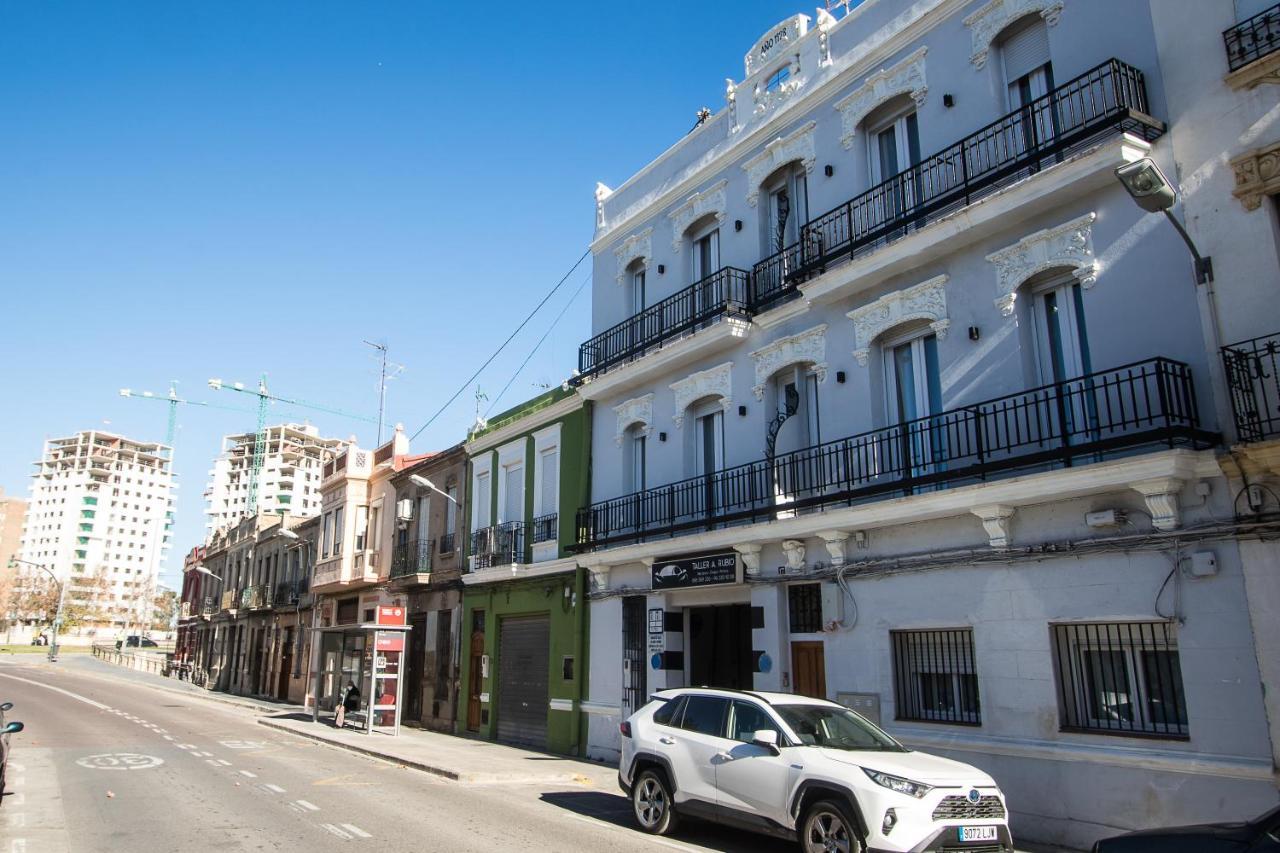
x=804, y=769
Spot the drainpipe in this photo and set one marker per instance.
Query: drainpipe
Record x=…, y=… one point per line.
x=579, y=655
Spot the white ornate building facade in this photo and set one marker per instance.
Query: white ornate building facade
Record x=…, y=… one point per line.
x=899, y=399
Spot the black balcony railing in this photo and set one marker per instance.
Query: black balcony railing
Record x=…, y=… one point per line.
x=290, y=592
x=448, y=543
x=1253, y=380
x=546, y=528
x=412, y=558
x=1146, y=403
x=1110, y=98
x=722, y=294
x=209, y=605
x=1252, y=39
x=499, y=545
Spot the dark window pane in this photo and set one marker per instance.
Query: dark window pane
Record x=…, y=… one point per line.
x=1162, y=675
x=804, y=605
x=705, y=715
x=1107, y=678
x=749, y=719
x=667, y=712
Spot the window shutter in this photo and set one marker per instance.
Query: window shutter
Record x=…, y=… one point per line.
x=1025, y=49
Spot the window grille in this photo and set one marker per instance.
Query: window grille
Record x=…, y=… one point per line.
x=935, y=676
x=1120, y=678
x=804, y=606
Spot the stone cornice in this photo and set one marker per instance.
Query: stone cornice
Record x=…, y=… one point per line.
x=1257, y=174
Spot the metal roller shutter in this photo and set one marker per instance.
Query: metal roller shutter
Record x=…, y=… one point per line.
x=524, y=649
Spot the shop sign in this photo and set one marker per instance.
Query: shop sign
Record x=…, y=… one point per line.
x=388, y=642
x=391, y=614
x=703, y=570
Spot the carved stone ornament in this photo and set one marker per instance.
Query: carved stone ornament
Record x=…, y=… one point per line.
x=986, y=23
x=996, y=520
x=773, y=43
x=638, y=410
x=794, y=549
x=599, y=577
x=1067, y=245
x=904, y=78
x=796, y=145
x=924, y=301
x=1161, y=497
x=766, y=99
x=835, y=541
x=636, y=247
x=731, y=101
x=696, y=206
x=713, y=382
x=1257, y=175
x=807, y=347
x=750, y=555
x=602, y=193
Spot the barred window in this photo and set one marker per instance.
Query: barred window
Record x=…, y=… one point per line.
x=1120, y=678
x=935, y=677
x=804, y=608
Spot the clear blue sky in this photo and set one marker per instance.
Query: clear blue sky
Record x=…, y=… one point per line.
x=220, y=189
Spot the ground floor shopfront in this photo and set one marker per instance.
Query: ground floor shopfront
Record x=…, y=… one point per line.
x=1109, y=680
x=523, y=667
x=431, y=667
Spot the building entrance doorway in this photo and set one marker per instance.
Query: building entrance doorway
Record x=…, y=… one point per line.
x=720, y=646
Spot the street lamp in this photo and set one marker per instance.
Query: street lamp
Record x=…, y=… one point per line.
x=419, y=480
x=1154, y=194
x=57, y=616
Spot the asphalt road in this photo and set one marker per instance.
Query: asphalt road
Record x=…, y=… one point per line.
x=110, y=765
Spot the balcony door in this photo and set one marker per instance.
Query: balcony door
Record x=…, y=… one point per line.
x=794, y=434
x=1028, y=74
x=708, y=452
x=786, y=212
x=513, y=494
x=638, y=331
x=706, y=261
x=1062, y=354
x=914, y=393
x=895, y=148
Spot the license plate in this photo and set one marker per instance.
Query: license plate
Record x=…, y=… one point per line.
x=978, y=833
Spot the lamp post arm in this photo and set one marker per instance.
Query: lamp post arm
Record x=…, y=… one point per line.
x=1204, y=266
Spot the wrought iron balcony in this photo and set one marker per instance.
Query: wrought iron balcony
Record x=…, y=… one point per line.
x=290, y=592
x=722, y=294
x=546, y=528
x=499, y=545
x=1253, y=380
x=1109, y=99
x=209, y=605
x=1147, y=403
x=412, y=558
x=1252, y=39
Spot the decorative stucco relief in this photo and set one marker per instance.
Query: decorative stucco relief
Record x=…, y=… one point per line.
x=1067, y=245
x=713, y=382
x=602, y=193
x=1257, y=175
x=797, y=145
x=638, y=410
x=904, y=78
x=924, y=301
x=807, y=347
x=696, y=206
x=636, y=247
x=986, y=23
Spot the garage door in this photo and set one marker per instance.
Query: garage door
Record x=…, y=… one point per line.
x=524, y=646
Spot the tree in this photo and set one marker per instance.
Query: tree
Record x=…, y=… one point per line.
x=165, y=606
x=85, y=603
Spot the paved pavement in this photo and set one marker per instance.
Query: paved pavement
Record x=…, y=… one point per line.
x=115, y=760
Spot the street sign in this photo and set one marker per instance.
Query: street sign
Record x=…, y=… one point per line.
x=388, y=642
x=703, y=570
x=391, y=614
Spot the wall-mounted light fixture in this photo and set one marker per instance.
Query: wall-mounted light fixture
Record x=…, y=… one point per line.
x=742, y=411
x=662, y=436
x=661, y=269
x=1154, y=194
x=948, y=100
x=840, y=377
x=828, y=170
x=974, y=333
x=737, y=225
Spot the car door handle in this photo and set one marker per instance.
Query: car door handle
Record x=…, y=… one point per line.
x=667, y=740
x=723, y=756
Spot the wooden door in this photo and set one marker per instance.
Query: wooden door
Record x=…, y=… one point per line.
x=286, y=665
x=809, y=669
x=476, y=682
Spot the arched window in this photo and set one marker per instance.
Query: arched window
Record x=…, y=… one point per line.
x=1024, y=60
x=634, y=458
x=705, y=442
x=892, y=134
x=1059, y=336
x=635, y=291
x=703, y=238
x=786, y=208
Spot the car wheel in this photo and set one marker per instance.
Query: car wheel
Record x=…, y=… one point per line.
x=651, y=800
x=827, y=828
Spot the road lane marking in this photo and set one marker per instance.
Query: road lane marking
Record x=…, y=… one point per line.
x=241, y=744
x=303, y=804
x=211, y=762
x=275, y=789
x=247, y=774
x=356, y=831
x=341, y=833
x=77, y=696
x=186, y=746
x=224, y=762
x=168, y=737
x=199, y=754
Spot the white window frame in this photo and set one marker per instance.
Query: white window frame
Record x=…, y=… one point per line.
x=482, y=474
x=511, y=455
x=1075, y=357
x=709, y=232
x=545, y=441
x=795, y=180
x=888, y=346
x=715, y=410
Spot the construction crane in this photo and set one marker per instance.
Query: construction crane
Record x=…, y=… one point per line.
x=174, y=402
x=265, y=398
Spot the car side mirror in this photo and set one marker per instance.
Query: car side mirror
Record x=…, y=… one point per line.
x=766, y=739
x=13, y=728
x=7, y=706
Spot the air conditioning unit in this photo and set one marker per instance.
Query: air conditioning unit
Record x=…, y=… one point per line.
x=404, y=509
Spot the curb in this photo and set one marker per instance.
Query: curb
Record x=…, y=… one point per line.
x=441, y=772
x=207, y=695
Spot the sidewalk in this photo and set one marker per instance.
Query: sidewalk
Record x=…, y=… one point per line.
x=450, y=756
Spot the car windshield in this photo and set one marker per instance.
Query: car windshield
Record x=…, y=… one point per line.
x=837, y=728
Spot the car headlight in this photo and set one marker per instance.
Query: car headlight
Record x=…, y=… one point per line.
x=897, y=783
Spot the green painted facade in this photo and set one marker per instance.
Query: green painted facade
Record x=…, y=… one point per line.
x=556, y=588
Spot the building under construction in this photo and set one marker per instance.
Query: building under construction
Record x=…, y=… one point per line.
x=289, y=479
